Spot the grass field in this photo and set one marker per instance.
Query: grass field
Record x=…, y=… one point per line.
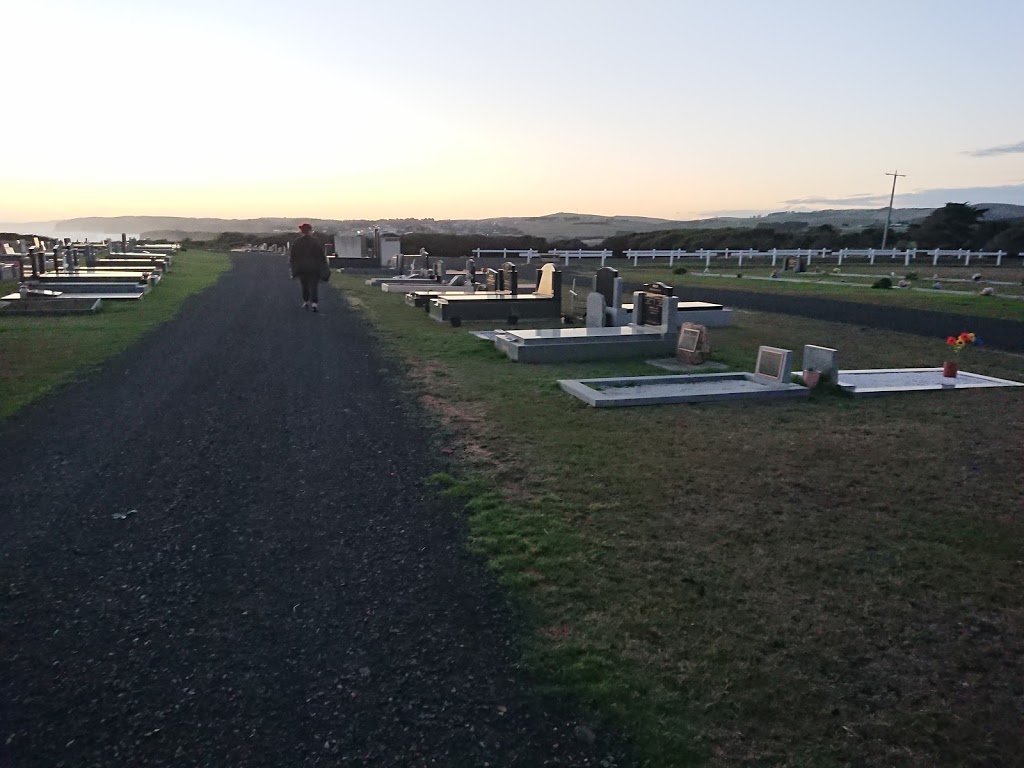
x=38, y=354
x=822, y=583
x=855, y=285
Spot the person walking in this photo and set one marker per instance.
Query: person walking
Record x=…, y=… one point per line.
x=309, y=264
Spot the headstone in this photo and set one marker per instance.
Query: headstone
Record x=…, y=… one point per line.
x=652, y=305
x=439, y=271
x=471, y=270
x=546, y=280
x=511, y=277
x=604, y=283
x=692, y=346
x=595, y=310
x=824, y=360
x=495, y=280
x=774, y=365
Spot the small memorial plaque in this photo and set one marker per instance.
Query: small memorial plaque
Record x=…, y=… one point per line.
x=692, y=347
x=689, y=339
x=773, y=364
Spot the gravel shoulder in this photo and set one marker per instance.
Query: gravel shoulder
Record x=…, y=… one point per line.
x=220, y=550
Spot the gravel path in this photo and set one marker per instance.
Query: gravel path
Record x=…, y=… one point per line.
x=219, y=550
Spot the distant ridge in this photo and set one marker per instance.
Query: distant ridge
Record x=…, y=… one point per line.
x=562, y=225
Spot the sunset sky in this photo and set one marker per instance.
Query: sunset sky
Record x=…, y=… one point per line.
x=465, y=109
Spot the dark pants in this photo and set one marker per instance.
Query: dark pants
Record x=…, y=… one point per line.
x=310, y=286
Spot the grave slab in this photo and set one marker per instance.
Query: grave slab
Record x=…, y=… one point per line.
x=552, y=345
x=661, y=390
x=887, y=381
x=50, y=307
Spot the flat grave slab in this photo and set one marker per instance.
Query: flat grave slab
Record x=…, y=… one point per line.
x=660, y=390
x=885, y=381
x=671, y=364
x=549, y=345
x=61, y=306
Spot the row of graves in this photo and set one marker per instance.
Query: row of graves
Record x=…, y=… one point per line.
x=64, y=277
x=457, y=296
x=656, y=324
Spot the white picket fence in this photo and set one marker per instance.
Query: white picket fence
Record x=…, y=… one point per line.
x=559, y=254
x=809, y=256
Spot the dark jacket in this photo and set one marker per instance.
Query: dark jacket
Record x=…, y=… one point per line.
x=307, y=256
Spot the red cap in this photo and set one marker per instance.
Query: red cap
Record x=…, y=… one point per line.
x=305, y=225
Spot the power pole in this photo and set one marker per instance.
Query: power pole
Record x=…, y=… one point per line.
x=888, y=216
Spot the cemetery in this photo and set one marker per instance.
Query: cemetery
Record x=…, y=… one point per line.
x=544, y=303
x=759, y=487
x=69, y=278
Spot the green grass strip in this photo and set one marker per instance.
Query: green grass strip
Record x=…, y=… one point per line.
x=39, y=354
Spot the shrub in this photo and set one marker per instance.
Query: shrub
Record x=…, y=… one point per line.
x=679, y=271
x=910, y=276
x=883, y=282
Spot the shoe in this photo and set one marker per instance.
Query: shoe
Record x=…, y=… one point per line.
x=315, y=308
x=305, y=305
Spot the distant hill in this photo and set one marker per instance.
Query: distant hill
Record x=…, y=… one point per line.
x=553, y=226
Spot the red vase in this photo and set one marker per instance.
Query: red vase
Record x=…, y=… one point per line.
x=949, y=369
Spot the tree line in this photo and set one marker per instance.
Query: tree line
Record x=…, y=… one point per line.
x=956, y=225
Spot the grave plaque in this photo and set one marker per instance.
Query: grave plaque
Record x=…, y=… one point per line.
x=651, y=307
x=773, y=364
x=692, y=347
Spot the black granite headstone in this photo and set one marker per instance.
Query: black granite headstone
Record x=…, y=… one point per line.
x=604, y=283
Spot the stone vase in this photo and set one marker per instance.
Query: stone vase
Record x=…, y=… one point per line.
x=811, y=378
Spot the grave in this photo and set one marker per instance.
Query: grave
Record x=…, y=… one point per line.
x=458, y=284
x=823, y=360
x=504, y=282
x=48, y=306
x=422, y=277
x=609, y=285
x=649, y=334
x=545, y=302
x=770, y=380
x=417, y=276
x=886, y=381
x=82, y=289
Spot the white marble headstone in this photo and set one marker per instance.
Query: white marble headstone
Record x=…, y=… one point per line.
x=824, y=360
x=546, y=280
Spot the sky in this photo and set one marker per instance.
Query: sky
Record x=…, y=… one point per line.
x=465, y=109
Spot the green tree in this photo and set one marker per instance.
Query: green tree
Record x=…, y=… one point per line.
x=955, y=225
